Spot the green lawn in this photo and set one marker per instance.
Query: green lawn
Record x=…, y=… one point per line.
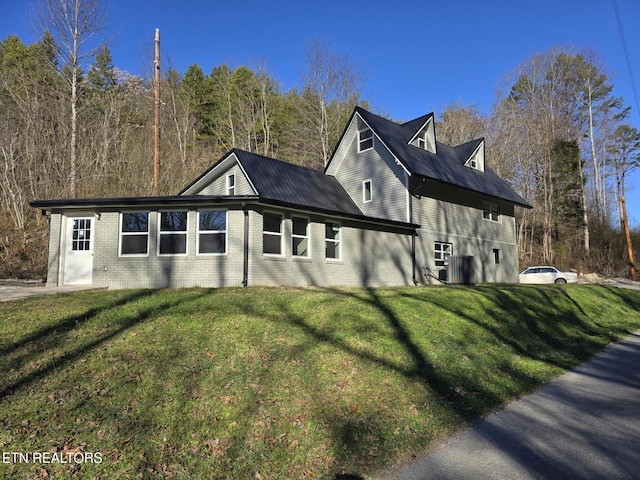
x=279, y=383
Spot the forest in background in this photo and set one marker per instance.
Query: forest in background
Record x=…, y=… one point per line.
x=73, y=125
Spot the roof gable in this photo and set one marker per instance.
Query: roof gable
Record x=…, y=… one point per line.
x=282, y=182
x=215, y=171
x=446, y=165
x=425, y=137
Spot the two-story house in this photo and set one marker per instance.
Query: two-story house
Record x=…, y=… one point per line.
x=392, y=204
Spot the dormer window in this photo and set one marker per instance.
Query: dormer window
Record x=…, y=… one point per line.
x=425, y=138
x=476, y=160
x=365, y=139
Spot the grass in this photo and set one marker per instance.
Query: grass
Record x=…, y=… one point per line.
x=279, y=383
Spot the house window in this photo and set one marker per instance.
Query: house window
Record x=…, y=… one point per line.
x=365, y=139
x=212, y=232
x=272, y=234
x=300, y=237
x=134, y=233
x=332, y=240
x=491, y=211
x=496, y=256
x=231, y=184
x=441, y=252
x=81, y=234
x=173, y=233
x=367, y=191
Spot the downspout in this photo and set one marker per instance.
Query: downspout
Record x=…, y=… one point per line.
x=245, y=261
x=414, y=233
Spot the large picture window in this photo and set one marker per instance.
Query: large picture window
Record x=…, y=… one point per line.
x=173, y=233
x=212, y=232
x=332, y=240
x=441, y=252
x=272, y=234
x=300, y=237
x=134, y=233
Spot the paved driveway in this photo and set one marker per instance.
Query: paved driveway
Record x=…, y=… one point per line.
x=585, y=425
x=12, y=292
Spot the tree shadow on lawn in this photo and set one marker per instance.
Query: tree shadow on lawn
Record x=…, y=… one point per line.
x=42, y=345
x=355, y=437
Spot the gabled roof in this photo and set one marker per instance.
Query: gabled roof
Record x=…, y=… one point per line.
x=447, y=165
x=287, y=184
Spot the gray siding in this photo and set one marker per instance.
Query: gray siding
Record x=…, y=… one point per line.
x=368, y=257
x=153, y=271
x=219, y=184
x=55, y=235
x=462, y=224
x=389, y=200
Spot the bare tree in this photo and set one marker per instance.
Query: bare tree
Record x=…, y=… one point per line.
x=74, y=25
x=331, y=89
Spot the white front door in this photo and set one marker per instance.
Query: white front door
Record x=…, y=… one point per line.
x=78, y=257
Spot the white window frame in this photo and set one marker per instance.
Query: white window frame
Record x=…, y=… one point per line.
x=491, y=212
x=278, y=234
x=496, y=256
x=126, y=234
x=442, y=250
x=210, y=232
x=364, y=190
x=295, y=236
x=162, y=233
x=365, y=140
x=231, y=184
x=337, y=242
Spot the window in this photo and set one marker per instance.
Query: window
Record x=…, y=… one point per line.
x=134, y=233
x=365, y=139
x=231, y=184
x=272, y=234
x=173, y=233
x=367, y=191
x=491, y=211
x=332, y=240
x=212, y=232
x=496, y=256
x=81, y=234
x=442, y=251
x=300, y=237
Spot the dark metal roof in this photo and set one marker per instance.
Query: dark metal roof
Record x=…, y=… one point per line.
x=447, y=165
x=293, y=184
x=117, y=202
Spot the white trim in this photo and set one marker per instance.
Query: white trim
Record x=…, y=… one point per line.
x=281, y=234
x=493, y=207
x=230, y=187
x=306, y=236
x=364, y=190
x=338, y=242
x=363, y=140
x=121, y=233
x=205, y=232
x=343, y=146
x=215, y=172
x=171, y=232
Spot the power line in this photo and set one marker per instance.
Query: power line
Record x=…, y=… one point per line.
x=626, y=55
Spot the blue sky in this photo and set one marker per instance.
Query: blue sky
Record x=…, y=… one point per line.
x=417, y=57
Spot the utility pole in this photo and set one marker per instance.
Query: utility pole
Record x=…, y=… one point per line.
x=625, y=224
x=156, y=159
